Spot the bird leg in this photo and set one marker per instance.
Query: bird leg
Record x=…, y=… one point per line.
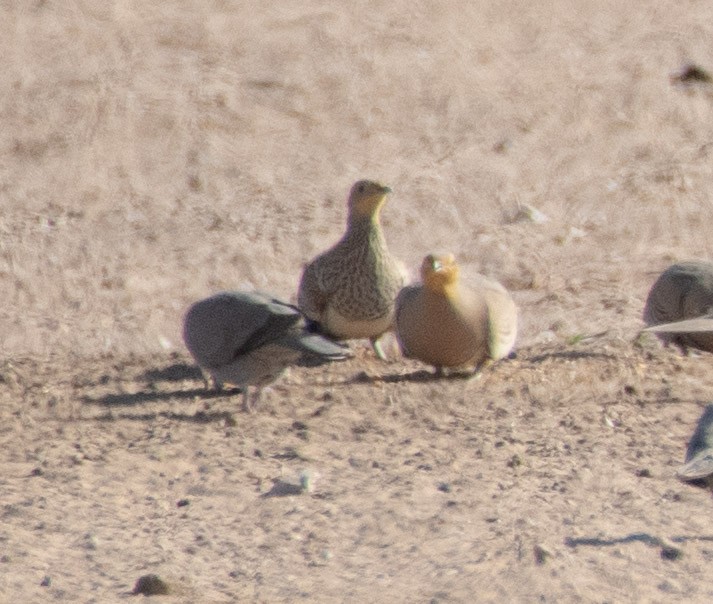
x=376, y=345
x=210, y=383
x=246, y=399
x=250, y=405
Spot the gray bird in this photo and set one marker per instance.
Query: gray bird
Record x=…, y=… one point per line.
x=349, y=290
x=446, y=323
x=680, y=297
x=250, y=338
x=698, y=469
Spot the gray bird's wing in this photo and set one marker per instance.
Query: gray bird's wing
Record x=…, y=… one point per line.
x=316, y=344
x=224, y=326
x=697, y=325
x=698, y=468
x=702, y=438
x=699, y=455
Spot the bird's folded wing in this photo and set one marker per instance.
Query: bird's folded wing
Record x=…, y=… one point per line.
x=699, y=467
x=699, y=324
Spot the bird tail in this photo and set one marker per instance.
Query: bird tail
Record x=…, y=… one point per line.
x=321, y=346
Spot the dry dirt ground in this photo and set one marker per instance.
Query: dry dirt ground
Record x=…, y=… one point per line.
x=152, y=153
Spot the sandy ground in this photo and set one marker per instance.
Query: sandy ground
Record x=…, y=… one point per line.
x=152, y=153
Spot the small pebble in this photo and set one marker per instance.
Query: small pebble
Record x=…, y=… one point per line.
x=151, y=585
x=669, y=551
x=690, y=72
x=514, y=461
x=542, y=554
x=307, y=480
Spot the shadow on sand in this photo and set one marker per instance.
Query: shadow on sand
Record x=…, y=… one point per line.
x=177, y=372
x=199, y=417
x=571, y=355
x=645, y=538
x=151, y=396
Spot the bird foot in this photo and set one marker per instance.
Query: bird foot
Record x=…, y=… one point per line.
x=376, y=345
x=250, y=404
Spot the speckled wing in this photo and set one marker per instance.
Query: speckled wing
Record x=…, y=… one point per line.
x=311, y=297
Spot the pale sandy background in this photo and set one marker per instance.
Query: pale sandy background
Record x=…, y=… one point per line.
x=152, y=153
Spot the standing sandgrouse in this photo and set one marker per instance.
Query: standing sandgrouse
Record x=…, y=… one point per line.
x=445, y=323
x=349, y=290
x=250, y=338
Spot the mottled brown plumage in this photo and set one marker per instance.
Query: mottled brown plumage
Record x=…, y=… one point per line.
x=682, y=292
x=349, y=290
x=446, y=323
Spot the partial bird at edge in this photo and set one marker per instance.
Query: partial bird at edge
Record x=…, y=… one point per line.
x=698, y=467
x=697, y=325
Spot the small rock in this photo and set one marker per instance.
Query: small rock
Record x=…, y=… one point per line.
x=670, y=551
x=541, y=553
x=669, y=586
x=691, y=73
x=362, y=378
x=528, y=213
x=514, y=461
x=230, y=420
x=90, y=541
x=181, y=503
x=308, y=478
x=629, y=389
x=444, y=487
x=46, y=581
x=151, y=585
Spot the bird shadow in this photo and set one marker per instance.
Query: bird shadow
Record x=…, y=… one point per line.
x=282, y=488
x=199, y=417
x=632, y=538
x=570, y=355
x=420, y=376
x=177, y=372
x=150, y=396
